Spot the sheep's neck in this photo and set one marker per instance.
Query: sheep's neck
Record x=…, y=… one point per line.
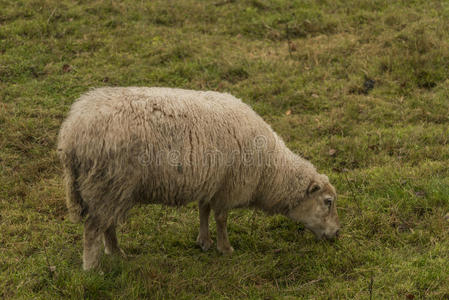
x=276, y=185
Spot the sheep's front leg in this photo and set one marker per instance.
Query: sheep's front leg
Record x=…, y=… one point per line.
x=203, y=240
x=111, y=243
x=223, y=244
x=92, y=243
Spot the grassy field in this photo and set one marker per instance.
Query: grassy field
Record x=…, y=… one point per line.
x=360, y=88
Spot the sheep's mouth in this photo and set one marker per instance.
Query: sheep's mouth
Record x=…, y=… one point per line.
x=320, y=234
x=331, y=238
x=323, y=236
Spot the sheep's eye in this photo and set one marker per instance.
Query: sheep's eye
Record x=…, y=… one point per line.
x=328, y=202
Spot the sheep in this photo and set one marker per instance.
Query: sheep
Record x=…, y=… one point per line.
x=124, y=146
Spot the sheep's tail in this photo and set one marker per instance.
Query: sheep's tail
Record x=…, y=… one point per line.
x=74, y=202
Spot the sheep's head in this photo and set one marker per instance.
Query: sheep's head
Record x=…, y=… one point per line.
x=317, y=211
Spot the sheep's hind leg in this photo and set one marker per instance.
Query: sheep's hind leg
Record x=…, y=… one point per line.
x=223, y=244
x=111, y=243
x=92, y=243
x=203, y=240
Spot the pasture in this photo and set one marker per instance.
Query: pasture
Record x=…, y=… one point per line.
x=359, y=88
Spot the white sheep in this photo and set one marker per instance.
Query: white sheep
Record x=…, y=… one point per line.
x=123, y=146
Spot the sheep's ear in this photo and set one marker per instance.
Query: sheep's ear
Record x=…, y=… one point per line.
x=313, y=187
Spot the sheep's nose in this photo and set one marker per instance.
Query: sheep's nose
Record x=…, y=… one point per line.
x=337, y=233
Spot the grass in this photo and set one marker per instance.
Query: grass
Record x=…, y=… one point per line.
x=366, y=88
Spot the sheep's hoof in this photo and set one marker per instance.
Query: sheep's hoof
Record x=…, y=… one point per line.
x=123, y=254
x=116, y=251
x=90, y=264
x=226, y=250
x=204, y=243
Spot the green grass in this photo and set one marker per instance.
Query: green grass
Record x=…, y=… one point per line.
x=312, y=58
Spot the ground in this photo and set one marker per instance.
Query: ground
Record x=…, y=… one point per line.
x=360, y=88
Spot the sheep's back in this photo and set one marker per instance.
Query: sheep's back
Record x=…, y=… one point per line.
x=167, y=145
